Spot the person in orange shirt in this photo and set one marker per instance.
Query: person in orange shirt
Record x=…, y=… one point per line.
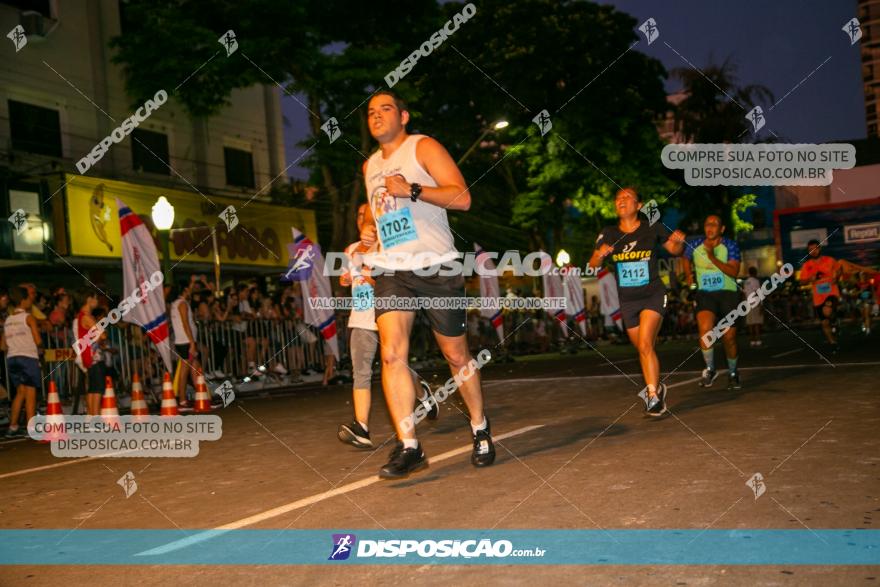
x=822, y=272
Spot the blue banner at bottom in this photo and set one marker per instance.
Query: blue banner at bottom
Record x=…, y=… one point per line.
x=457, y=547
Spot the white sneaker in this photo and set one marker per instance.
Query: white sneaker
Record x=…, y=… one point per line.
x=279, y=368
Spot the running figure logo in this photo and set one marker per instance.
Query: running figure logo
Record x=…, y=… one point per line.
x=853, y=30
x=19, y=221
x=226, y=393
x=652, y=211
x=543, y=121
x=301, y=267
x=756, y=117
x=230, y=217
x=128, y=484
x=650, y=30
x=343, y=544
x=229, y=42
x=331, y=127
x=756, y=484
x=18, y=38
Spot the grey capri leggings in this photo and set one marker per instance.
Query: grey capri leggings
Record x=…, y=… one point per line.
x=363, y=345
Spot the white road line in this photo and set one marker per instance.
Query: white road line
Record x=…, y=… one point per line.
x=307, y=501
x=61, y=464
x=786, y=353
x=505, y=382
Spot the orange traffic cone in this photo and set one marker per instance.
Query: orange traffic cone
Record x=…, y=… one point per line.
x=169, y=404
x=108, y=401
x=54, y=429
x=203, y=397
x=139, y=408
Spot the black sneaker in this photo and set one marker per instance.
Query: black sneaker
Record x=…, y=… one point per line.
x=484, y=448
x=403, y=461
x=15, y=433
x=657, y=404
x=355, y=435
x=432, y=408
x=709, y=377
x=733, y=381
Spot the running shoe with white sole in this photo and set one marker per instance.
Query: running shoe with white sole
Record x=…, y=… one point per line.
x=733, y=381
x=355, y=435
x=657, y=404
x=708, y=377
x=484, y=449
x=403, y=462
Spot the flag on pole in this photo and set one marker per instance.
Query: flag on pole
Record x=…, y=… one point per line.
x=307, y=265
x=553, y=289
x=489, y=289
x=609, y=304
x=140, y=262
x=574, y=299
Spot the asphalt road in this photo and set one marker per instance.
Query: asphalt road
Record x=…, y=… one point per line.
x=581, y=455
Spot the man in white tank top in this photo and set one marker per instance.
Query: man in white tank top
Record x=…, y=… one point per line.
x=411, y=181
x=185, y=345
x=22, y=342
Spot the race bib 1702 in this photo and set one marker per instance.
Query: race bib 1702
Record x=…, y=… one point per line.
x=397, y=228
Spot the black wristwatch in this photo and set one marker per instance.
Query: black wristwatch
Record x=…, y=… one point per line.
x=415, y=191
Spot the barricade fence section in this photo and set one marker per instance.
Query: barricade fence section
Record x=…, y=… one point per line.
x=226, y=350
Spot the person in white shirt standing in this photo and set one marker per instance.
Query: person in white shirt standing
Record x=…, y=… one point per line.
x=185, y=346
x=22, y=341
x=411, y=181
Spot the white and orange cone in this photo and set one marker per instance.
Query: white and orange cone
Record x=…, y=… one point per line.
x=169, y=404
x=203, y=396
x=139, y=409
x=109, y=411
x=54, y=417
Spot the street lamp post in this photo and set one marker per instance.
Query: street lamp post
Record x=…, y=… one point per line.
x=497, y=126
x=163, y=219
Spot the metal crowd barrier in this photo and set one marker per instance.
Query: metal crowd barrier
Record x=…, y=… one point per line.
x=223, y=348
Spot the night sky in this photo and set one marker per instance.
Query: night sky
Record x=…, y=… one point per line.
x=776, y=44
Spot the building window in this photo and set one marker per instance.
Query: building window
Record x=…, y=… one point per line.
x=239, y=167
x=35, y=129
x=149, y=151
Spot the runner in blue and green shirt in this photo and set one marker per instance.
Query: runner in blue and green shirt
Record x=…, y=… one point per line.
x=715, y=260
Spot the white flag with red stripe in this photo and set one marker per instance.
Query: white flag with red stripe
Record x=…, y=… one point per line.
x=489, y=289
x=609, y=304
x=139, y=262
x=308, y=262
x=553, y=289
x=574, y=299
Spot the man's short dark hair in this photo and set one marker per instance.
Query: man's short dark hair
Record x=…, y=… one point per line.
x=398, y=101
x=17, y=294
x=813, y=241
x=753, y=271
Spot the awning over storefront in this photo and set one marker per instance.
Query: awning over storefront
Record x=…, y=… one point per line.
x=260, y=237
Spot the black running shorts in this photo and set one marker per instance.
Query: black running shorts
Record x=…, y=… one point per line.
x=721, y=303
x=829, y=301
x=631, y=309
x=406, y=284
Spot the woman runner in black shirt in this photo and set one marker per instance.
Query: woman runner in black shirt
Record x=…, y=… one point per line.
x=634, y=245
